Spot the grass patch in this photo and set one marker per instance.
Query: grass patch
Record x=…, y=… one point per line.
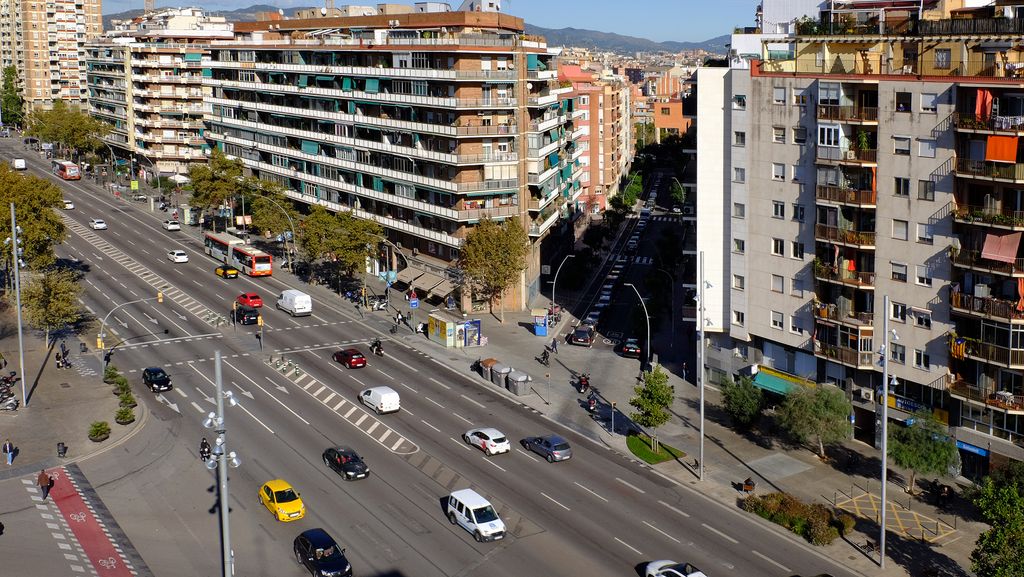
x=640, y=445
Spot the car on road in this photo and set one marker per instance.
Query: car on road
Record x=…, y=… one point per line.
x=677, y=209
x=225, y=271
x=671, y=569
x=583, y=336
x=250, y=300
x=551, y=447
x=18, y=164
x=472, y=512
x=346, y=462
x=97, y=224
x=631, y=246
x=321, y=554
x=156, y=379
x=490, y=440
x=177, y=255
x=69, y=205
x=244, y=315
x=172, y=225
x=139, y=197
x=381, y=399
x=631, y=348
x=351, y=358
x=282, y=500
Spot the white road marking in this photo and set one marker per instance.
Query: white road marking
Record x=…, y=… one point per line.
x=241, y=406
x=387, y=433
x=528, y=455
x=630, y=485
x=440, y=383
x=289, y=409
x=397, y=444
x=772, y=561
x=385, y=374
x=461, y=444
x=429, y=425
x=463, y=418
x=545, y=495
x=349, y=413
x=477, y=403
x=340, y=403
x=671, y=508
x=373, y=427
x=408, y=387
x=329, y=397
x=433, y=401
x=360, y=420
x=662, y=532
x=721, y=534
x=493, y=464
x=635, y=550
x=197, y=407
x=591, y=492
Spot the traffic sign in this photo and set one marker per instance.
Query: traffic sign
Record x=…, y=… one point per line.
x=414, y=303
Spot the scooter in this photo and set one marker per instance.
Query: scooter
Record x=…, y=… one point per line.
x=10, y=405
x=583, y=382
x=381, y=305
x=377, y=348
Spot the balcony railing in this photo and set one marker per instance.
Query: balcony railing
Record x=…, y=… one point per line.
x=971, y=121
x=863, y=239
x=847, y=113
x=836, y=154
x=989, y=215
x=987, y=169
x=1002, y=400
x=846, y=195
x=987, y=306
x=846, y=355
x=862, y=279
x=995, y=353
x=973, y=259
x=832, y=313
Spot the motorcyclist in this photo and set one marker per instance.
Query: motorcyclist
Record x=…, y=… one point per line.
x=544, y=357
x=204, y=450
x=377, y=347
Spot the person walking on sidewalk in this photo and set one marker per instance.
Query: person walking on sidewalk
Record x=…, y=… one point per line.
x=9, y=451
x=45, y=483
x=554, y=345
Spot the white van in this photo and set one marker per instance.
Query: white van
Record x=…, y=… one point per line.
x=381, y=399
x=295, y=303
x=467, y=508
x=18, y=164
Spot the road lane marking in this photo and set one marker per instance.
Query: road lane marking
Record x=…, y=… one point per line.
x=340, y=403
x=385, y=374
x=398, y=443
x=461, y=444
x=630, y=485
x=591, y=492
x=433, y=401
x=662, y=532
x=493, y=464
x=528, y=456
x=241, y=406
x=463, y=418
x=440, y=383
x=634, y=549
x=477, y=403
x=197, y=407
x=350, y=411
x=387, y=433
x=545, y=495
x=318, y=391
x=408, y=387
x=429, y=425
x=183, y=394
x=772, y=561
x=329, y=397
x=719, y=533
x=671, y=508
x=246, y=377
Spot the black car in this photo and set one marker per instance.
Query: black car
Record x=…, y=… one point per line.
x=631, y=348
x=346, y=463
x=321, y=554
x=583, y=336
x=156, y=379
x=245, y=315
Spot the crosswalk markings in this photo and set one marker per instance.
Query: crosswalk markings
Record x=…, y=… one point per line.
x=329, y=397
x=643, y=260
x=360, y=420
x=373, y=428
x=318, y=391
x=338, y=406
x=349, y=413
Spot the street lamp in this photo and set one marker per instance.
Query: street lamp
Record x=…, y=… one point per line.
x=884, y=354
x=291, y=225
x=223, y=460
x=554, y=283
x=647, y=350
x=16, y=263
x=698, y=371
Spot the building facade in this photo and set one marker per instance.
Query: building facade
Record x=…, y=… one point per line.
x=425, y=122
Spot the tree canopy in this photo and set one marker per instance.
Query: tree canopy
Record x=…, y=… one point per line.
x=999, y=551
x=36, y=203
x=743, y=401
x=494, y=258
x=12, y=107
x=50, y=300
x=268, y=205
x=651, y=399
x=67, y=126
x=822, y=414
x=924, y=447
x=339, y=237
x=215, y=182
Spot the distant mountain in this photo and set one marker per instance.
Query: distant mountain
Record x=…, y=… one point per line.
x=239, y=15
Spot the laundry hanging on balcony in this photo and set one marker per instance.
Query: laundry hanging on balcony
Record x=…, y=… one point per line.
x=1002, y=248
x=1020, y=294
x=958, y=349
x=1001, y=149
x=983, y=104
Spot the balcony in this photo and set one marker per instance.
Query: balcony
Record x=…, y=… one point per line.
x=863, y=279
x=851, y=238
x=988, y=216
x=995, y=123
x=986, y=307
x=851, y=114
x=538, y=228
x=990, y=353
x=830, y=312
x=847, y=196
x=972, y=259
x=983, y=169
x=846, y=355
x=847, y=155
x=999, y=400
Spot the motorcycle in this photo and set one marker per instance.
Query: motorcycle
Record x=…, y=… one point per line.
x=10, y=405
x=545, y=359
x=204, y=451
x=592, y=405
x=583, y=383
x=377, y=348
x=381, y=305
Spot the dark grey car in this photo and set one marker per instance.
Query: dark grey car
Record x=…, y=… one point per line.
x=551, y=447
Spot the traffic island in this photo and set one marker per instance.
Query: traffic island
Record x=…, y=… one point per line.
x=641, y=447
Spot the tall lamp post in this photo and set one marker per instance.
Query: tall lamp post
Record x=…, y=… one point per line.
x=884, y=354
x=698, y=371
x=291, y=225
x=554, y=283
x=223, y=460
x=647, y=317
x=16, y=263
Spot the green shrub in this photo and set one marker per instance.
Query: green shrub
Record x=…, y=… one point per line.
x=127, y=399
x=816, y=522
x=99, y=430
x=846, y=523
x=110, y=374
x=124, y=415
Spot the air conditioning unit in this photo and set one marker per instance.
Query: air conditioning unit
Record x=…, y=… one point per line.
x=851, y=155
x=867, y=395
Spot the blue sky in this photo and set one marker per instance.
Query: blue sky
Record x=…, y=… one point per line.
x=681, y=20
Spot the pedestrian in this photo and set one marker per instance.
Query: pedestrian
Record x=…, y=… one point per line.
x=9, y=451
x=64, y=348
x=554, y=345
x=684, y=370
x=45, y=483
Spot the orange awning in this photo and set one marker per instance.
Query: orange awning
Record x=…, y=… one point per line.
x=1002, y=248
x=1001, y=149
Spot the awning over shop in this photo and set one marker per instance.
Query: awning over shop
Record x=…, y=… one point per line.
x=426, y=281
x=772, y=383
x=1002, y=248
x=408, y=275
x=1001, y=149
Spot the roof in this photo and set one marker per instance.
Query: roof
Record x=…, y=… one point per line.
x=319, y=538
x=278, y=484
x=470, y=498
x=414, y=20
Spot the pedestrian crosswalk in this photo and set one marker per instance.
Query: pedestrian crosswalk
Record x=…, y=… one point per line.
x=643, y=260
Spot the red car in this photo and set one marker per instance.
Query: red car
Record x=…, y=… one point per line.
x=351, y=358
x=250, y=300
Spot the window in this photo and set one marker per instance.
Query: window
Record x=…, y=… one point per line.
x=799, y=135
x=924, y=233
x=739, y=245
x=898, y=312
x=778, y=209
x=899, y=229
x=797, y=250
x=739, y=102
x=796, y=288
x=923, y=320
x=739, y=138
x=901, y=145
x=778, y=171
x=798, y=212
x=778, y=283
x=926, y=148
x=899, y=272
x=943, y=58
x=779, y=95
x=898, y=353
x=901, y=186
x=828, y=93
x=738, y=317
x=778, y=247
x=929, y=102
x=922, y=360
x=777, y=319
x=739, y=210
x=799, y=98
x=794, y=326
x=828, y=135
x=925, y=190
x=903, y=101
x=924, y=278
x=738, y=282
x=778, y=135
x=665, y=111
x=739, y=175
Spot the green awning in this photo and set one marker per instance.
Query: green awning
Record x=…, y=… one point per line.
x=351, y=107
x=310, y=147
x=378, y=184
x=372, y=85
x=773, y=383
x=303, y=80
x=553, y=158
x=532, y=62
x=566, y=172
x=346, y=83
x=207, y=72
x=325, y=78
x=193, y=57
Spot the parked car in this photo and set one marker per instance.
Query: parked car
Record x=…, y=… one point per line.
x=321, y=554
x=250, y=300
x=583, y=336
x=139, y=197
x=346, y=462
x=156, y=379
x=97, y=224
x=631, y=348
x=177, y=255
x=225, y=271
x=490, y=440
x=551, y=447
x=172, y=225
x=671, y=569
x=282, y=500
x=351, y=358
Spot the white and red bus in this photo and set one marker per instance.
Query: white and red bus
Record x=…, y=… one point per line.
x=251, y=261
x=218, y=245
x=66, y=169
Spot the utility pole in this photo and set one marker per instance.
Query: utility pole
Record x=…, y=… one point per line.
x=699, y=369
x=16, y=262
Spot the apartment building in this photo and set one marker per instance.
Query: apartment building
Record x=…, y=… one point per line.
x=45, y=40
x=145, y=78
x=425, y=122
x=875, y=155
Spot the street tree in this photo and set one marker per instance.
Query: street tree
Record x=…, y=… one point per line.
x=999, y=551
x=677, y=192
x=71, y=128
x=924, y=447
x=269, y=207
x=12, y=107
x=37, y=202
x=494, y=258
x=50, y=300
x=355, y=242
x=651, y=399
x=743, y=401
x=216, y=182
x=821, y=414
x=316, y=233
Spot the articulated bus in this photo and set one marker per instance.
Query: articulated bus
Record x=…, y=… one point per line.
x=232, y=250
x=218, y=245
x=66, y=169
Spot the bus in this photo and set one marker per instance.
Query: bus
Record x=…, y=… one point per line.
x=251, y=261
x=66, y=169
x=218, y=245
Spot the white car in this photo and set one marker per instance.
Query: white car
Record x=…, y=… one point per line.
x=177, y=256
x=139, y=197
x=97, y=224
x=68, y=205
x=671, y=569
x=172, y=225
x=490, y=440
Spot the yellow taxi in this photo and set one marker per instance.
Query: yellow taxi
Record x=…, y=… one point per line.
x=225, y=271
x=282, y=500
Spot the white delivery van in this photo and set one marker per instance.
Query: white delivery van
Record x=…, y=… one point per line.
x=295, y=303
x=18, y=164
x=381, y=399
x=467, y=508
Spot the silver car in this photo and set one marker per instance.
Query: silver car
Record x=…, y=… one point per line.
x=551, y=447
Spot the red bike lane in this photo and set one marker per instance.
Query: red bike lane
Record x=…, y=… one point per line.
x=105, y=558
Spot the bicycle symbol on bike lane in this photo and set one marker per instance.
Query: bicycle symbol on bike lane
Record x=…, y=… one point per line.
x=78, y=517
x=108, y=563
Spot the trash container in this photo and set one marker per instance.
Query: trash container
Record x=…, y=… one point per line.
x=498, y=373
x=485, y=368
x=518, y=383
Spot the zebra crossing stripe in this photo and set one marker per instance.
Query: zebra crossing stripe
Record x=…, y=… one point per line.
x=340, y=403
x=398, y=443
x=360, y=420
x=373, y=427
x=349, y=413
x=329, y=397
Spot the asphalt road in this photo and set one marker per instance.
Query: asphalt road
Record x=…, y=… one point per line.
x=597, y=514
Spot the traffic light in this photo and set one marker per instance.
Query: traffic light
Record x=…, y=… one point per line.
x=159, y=297
x=99, y=343
x=259, y=320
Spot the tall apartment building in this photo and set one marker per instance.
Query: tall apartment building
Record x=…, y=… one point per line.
x=425, y=122
x=876, y=155
x=45, y=40
x=145, y=79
